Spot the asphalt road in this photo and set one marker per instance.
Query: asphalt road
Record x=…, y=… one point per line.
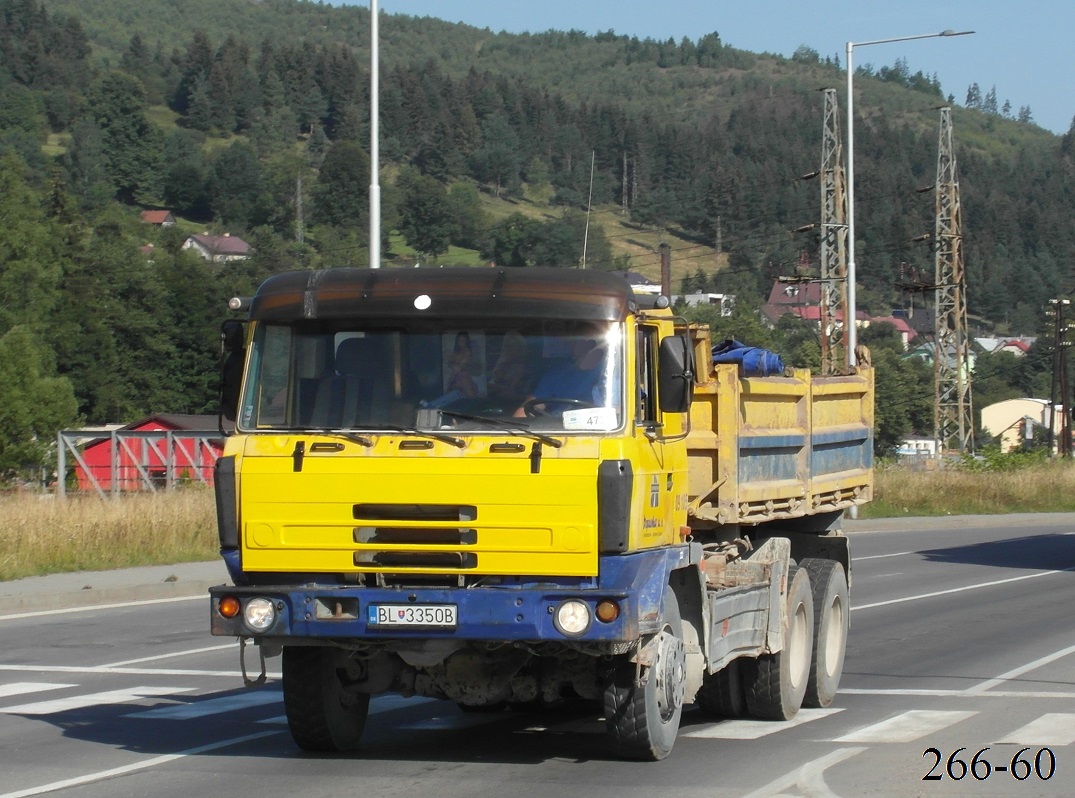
x=963, y=637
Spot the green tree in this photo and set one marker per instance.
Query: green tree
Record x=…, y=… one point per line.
x=510, y=241
x=186, y=179
x=132, y=145
x=468, y=217
x=34, y=403
x=236, y=185
x=425, y=216
x=497, y=161
x=341, y=196
x=31, y=259
x=903, y=389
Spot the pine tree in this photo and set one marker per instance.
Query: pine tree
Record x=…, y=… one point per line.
x=974, y=97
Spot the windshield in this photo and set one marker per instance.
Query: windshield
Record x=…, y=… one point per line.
x=561, y=376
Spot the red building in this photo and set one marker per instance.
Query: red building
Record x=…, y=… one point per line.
x=156, y=452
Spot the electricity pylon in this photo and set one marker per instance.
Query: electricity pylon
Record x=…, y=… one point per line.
x=833, y=242
x=953, y=419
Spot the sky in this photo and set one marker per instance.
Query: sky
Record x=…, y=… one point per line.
x=1023, y=48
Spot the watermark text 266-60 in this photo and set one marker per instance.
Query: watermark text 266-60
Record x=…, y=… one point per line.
x=1026, y=763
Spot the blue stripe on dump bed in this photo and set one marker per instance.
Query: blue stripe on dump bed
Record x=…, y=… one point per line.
x=762, y=465
x=846, y=450
x=772, y=441
x=857, y=433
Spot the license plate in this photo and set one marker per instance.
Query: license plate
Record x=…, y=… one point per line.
x=438, y=615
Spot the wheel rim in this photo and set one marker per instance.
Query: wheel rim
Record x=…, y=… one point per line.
x=798, y=650
x=668, y=673
x=836, y=633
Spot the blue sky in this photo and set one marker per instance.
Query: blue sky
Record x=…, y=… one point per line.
x=1022, y=47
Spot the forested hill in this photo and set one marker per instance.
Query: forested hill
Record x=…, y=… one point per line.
x=247, y=117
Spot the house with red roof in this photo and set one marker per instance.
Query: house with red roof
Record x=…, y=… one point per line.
x=159, y=218
x=218, y=249
x=804, y=300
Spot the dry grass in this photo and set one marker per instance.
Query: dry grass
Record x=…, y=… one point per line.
x=1048, y=487
x=42, y=534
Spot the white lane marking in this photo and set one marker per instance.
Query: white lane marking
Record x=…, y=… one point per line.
x=92, y=607
x=906, y=727
x=754, y=729
x=810, y=779
x=1053, y=728
x=959, y=589
x=22, y=688
x=907, y=691
x=1017, y=672
x=128, y=671
x=101, y=775
x=186, y=653
x=881, y=556
x=212, y=706
x=92, y=699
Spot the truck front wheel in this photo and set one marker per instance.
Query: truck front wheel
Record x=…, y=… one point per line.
x=322, y=714
x=776, y=684
x=831, y=617
x=642, y=721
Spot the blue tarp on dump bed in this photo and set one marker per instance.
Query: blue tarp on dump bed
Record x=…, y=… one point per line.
x=756, y=362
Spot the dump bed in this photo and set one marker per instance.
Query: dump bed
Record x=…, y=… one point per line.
x=767, y=448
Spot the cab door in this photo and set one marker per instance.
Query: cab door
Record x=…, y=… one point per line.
x=660, y=475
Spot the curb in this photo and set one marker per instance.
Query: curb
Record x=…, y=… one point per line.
x=94, y=588
x=918, y=523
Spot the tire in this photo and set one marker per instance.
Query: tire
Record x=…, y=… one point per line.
x=722, y=693
x=321, y=714
x=832, y=615
x=642, y=721
x=776, y=683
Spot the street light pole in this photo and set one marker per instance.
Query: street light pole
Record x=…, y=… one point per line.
x=375, y=137
x=850, y=331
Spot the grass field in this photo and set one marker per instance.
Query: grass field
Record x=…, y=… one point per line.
x=1045, y=487
x=43, y=534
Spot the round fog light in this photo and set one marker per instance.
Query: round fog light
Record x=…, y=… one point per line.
x=259, y=614
x=572, y=617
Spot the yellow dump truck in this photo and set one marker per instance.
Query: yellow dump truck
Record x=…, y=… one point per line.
x=529, y=486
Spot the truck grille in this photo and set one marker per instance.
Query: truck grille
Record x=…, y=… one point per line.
x=428, y=526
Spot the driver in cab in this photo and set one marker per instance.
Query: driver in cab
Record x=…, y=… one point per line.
x=573, y=380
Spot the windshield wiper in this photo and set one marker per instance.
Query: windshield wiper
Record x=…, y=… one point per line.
x=347, y=435
x=509, y=426
x=459, y=443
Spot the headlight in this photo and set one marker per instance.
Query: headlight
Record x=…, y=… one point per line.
x=259, y=614
x=572, y=617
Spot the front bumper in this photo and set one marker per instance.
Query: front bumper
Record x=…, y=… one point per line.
x=503, y=612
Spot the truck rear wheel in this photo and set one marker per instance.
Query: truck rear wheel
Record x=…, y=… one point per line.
x=831, y=616
x=722, y=693
x=322, y=714
x=776, y=683
x=642, y=721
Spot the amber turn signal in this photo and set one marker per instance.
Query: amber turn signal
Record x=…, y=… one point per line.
x=607, y=611
x=229, y=606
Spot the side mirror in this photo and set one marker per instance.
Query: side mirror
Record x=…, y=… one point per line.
x=675, y=379
x=232, y=338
